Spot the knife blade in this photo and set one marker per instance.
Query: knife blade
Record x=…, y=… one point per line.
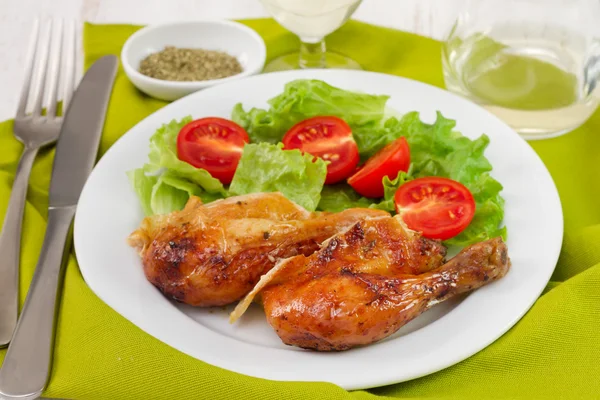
x=26, y=367
x=80, y=135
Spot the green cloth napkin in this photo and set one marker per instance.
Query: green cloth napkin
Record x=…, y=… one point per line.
x=552, y=352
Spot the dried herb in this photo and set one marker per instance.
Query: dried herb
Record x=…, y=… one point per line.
x=177, y=64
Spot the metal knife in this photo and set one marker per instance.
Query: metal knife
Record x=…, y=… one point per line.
x=26, y=367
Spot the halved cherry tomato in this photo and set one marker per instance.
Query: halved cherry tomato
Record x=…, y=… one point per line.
x=440, y=208
x=214, y=144
x=329, y=138
x=390, y=160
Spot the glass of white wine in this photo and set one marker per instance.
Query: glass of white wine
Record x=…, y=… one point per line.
x=533, y=63
x=311, y=20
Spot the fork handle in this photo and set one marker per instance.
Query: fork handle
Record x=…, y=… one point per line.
x=10, y=247
x=26, y=367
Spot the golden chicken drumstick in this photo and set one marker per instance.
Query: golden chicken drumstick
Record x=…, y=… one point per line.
x=366, y=283
x=214, y=254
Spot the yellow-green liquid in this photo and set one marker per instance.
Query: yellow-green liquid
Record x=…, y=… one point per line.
x=524, y=83
x=531, y=84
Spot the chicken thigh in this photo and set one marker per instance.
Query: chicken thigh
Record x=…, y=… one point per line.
x=214, y=254
x=366, y=283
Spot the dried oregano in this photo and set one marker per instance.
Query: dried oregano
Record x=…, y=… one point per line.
x=177, y=64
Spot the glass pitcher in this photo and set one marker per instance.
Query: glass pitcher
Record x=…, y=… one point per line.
x=533, y=63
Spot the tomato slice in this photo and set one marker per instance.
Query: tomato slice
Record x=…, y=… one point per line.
x=329, y=138
x=214, y=144
x=390, y=160
x=440, y=208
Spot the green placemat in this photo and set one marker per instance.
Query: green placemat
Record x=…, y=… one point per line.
x=553, y=352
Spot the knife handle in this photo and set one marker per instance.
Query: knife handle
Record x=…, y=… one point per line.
x=10, y=247
x=26, y=366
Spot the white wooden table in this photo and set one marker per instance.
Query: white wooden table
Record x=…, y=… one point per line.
x=427, y=17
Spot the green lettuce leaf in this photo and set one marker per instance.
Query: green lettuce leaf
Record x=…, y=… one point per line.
x=161, y=194
x=389, y=189
x=372, y=137
x=335, y=198
x=261, y=125
x=266, y=167
x=174, y=180
x=166, y=198
x=142, y=184
x=305, y=98
x=165, y=183
x=163, y=155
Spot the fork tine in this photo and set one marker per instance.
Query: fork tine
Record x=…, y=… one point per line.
x=53, y=67
x=69, y=66
x=42, y=68
x=29, y=71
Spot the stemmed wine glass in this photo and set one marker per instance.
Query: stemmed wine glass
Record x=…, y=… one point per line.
x=311, y=20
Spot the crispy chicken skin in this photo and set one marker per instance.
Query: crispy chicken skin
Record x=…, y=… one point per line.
x=214, y=254
x=344, y=295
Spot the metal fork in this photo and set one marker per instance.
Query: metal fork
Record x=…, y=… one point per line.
x=46, y=60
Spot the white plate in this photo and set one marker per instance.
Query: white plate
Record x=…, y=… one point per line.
x=109, y=211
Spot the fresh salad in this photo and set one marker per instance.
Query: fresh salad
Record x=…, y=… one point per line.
x=330, y=149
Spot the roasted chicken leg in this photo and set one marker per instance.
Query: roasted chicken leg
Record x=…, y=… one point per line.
x=214, y=254
x=366, y=283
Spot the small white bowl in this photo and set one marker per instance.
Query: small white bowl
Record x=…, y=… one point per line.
x=234, y=38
